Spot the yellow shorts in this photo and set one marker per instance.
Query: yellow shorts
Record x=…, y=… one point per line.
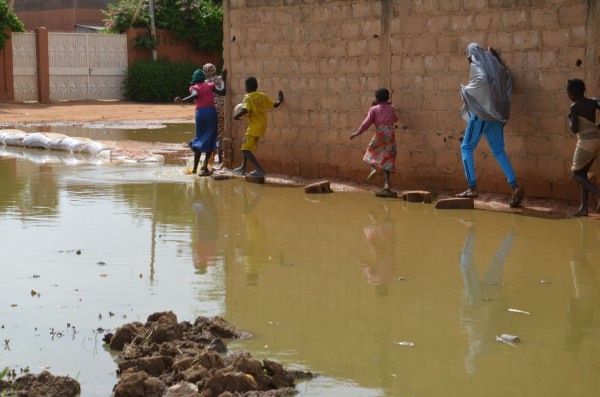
x=250, y=142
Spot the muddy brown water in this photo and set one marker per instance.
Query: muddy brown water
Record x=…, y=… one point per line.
x=379, y=296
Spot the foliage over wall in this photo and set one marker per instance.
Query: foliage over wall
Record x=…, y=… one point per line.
x=199, y=21
x=8, y=21
x=158, y=81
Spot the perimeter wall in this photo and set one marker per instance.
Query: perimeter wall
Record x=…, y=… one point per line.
x=329, y=56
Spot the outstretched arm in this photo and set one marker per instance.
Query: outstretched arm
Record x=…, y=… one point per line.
x=223, y=90
x=192, y=96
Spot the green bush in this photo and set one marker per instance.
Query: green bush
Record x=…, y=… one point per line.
x=8, y=21
x=158, y=81
x=199, y=21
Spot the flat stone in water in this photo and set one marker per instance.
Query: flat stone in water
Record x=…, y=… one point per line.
x=255, y=179
x=455, y=204
x=386, y=194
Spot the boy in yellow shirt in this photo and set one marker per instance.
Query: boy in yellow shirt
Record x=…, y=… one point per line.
x=255, y=104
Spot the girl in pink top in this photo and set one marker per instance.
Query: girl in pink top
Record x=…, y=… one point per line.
x=205, y=141
x=381, y=152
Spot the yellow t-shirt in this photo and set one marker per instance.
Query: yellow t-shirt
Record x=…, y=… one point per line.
x=257, y=104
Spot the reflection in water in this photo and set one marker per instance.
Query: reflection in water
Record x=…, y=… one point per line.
x=252, y=251
x=381, y=239
x=484, y=300
x=586, y=302
x=206, y=228
x=195, y=246
x=35, y=197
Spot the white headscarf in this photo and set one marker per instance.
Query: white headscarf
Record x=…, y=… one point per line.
x=489, y=91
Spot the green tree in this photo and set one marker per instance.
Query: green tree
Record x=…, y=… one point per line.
x=8, y=22
x=199, y=21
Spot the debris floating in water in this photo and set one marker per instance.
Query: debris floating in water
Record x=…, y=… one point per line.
x=518, y=311
x=508, y=338
x=405, y=344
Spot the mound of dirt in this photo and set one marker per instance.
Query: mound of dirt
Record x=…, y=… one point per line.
x=167, y=358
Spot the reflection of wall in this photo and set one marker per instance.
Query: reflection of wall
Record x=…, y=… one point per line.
x=28, y=189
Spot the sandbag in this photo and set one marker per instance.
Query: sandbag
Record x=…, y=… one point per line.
x=15, y=138
x=36, y=140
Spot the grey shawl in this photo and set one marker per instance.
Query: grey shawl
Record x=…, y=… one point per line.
x=488, y=93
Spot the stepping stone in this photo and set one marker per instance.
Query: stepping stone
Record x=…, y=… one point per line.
x=220, y=177
x=255, y=179
x=455, y=204
x=318, y=187
x=417, y=196
x=386, y=194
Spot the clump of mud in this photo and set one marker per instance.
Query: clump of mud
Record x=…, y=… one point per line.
x=45, y=384
x=167, y=358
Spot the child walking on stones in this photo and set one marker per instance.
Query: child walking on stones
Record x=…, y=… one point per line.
x=381, y=152
x=582, y=121
x=201, y=92
x=255, y=104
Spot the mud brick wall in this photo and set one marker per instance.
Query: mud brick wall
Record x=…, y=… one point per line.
x=329, y=57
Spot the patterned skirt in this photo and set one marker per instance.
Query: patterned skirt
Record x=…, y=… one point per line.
x=381, y=151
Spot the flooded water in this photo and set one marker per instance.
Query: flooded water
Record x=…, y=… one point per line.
x=378, y=296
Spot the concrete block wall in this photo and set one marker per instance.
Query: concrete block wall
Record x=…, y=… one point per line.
x=329, y=56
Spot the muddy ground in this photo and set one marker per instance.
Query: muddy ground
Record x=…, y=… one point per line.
x=166, y=358
x=138, y=113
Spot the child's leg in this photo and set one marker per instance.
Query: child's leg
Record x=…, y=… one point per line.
x=242, y=168
x=205, y=161
x=197, y=155
x=259, y=170
x=585, y=187
x=386, y=179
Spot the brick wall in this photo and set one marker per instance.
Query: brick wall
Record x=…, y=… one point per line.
x=329, y=56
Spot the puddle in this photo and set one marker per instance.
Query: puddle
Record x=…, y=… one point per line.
x=379, y=296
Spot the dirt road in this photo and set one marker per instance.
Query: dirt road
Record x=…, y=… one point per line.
x=93, y=111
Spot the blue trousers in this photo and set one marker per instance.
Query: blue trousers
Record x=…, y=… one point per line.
x=493, y=132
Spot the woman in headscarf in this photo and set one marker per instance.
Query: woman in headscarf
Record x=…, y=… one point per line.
x=210, y=71
x=201, y=91
x=486, y=109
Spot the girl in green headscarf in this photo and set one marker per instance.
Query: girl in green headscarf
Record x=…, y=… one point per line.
x=205, y=142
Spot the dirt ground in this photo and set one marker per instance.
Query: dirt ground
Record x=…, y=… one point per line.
x=93, y=111
x=122, y=111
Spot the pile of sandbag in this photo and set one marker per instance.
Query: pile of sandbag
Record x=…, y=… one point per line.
x=52, y=141
x=72, y=145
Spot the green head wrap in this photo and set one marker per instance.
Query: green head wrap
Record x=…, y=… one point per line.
x=198, y=77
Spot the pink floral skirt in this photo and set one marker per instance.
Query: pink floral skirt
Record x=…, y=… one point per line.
x=382, y=151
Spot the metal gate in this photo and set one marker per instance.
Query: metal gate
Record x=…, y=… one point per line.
x=82, y=66
x=87, y=66
x=24, y=66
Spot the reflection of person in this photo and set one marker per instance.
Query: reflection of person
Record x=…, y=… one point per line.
x=584, y=305
x=205, y=141
x=381, y=152
x=210, y=71
x=381, y=237
x=255, y=104
x=484, y=300
x=486, y=109
x=206, y=231
x=256, y=236
x=582, y=120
